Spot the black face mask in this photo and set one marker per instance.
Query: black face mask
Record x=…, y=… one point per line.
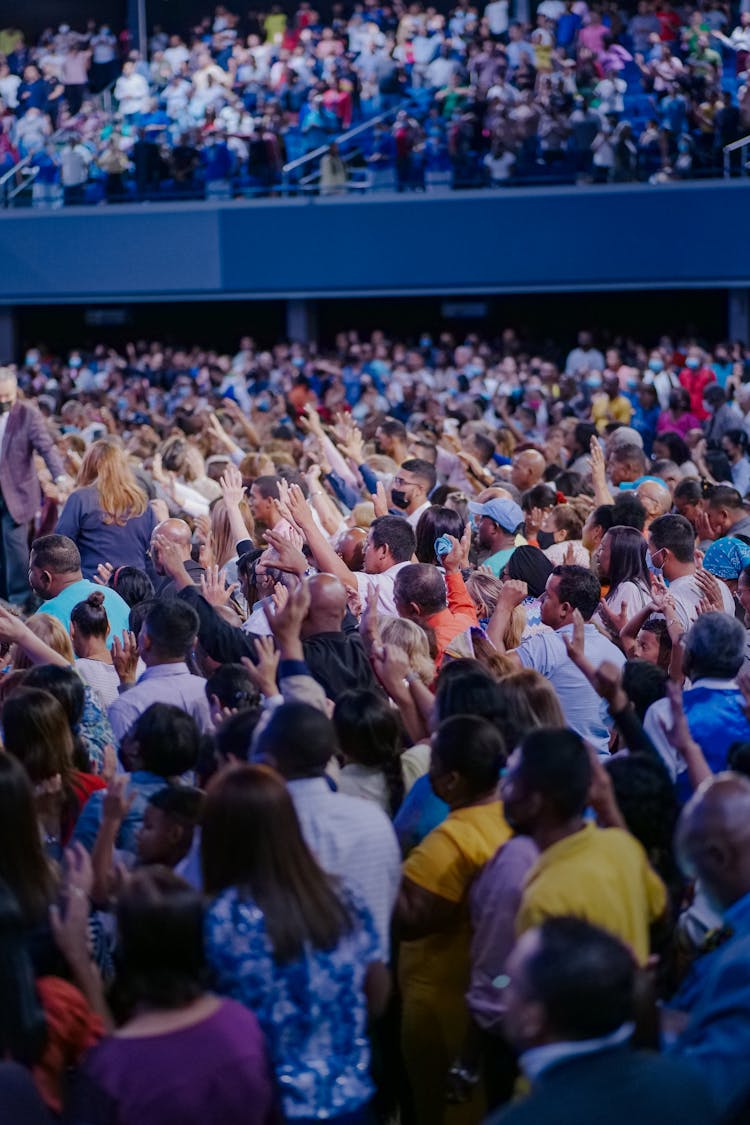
x=399, y=499
x=5, y=407
x=545, y=539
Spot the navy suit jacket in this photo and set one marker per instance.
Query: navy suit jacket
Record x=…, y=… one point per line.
x=614, y=1087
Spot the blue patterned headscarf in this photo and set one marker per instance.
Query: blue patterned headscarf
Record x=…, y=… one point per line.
x=727, y=558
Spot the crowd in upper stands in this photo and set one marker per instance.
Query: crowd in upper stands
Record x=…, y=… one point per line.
x=375, y=732
x=493, y=95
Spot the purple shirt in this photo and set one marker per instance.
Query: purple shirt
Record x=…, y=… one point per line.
x=164, y=683
x=493, y=903
x=213, y=1073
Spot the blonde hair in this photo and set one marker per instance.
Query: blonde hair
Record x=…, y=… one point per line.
x=48, y=629
x=255, y=465
x=530, y=701
x=484, y=590
x=223, y=542
x=363, y=514
x=411, y=639
x=120, y=496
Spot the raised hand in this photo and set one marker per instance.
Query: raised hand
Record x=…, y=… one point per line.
x=288, y=557
x=214, y=589
x=116, y=803
x=513, y=592
x=380, y=500
x=391, y=666
x=263, y=674
x=598, y=465
x=711, y=590
x=286, y=622
x=575, y=643
x=104, y=572
x=232, y=487
x=369, y=627
x=170, y=555
x=298, y=507
x=125, y=656
x=613, y=620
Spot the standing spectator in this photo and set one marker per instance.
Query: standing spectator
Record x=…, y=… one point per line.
x=695, y=377
x=103, y=58
x=131, y=91
x=108, y=516
x=75, y=68
x=22, y=434
x=74, y=160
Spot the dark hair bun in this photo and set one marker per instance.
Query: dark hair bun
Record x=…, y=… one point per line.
x=95, y=600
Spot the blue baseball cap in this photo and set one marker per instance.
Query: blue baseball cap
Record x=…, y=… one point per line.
x=505, y=513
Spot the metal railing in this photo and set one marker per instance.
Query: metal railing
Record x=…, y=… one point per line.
x=735, y=146
x=340, y=139
x=22, y=175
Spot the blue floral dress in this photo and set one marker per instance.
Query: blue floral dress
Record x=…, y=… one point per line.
x=312, y=1010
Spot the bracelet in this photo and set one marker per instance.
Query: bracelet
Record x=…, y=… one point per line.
x=318, y=493
x=470, y=1077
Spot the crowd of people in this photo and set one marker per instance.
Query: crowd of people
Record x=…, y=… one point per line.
x=480, y=95
x=375, y=736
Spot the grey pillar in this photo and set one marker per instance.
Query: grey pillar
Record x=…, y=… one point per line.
x=8, y=341
x=738, y=314
x=301, y=321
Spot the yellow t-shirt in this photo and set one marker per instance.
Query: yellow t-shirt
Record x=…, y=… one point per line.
x=604, y=410
x=446, y=863
x=602, y=875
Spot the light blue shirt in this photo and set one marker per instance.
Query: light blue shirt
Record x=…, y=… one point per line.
x=61, y=606
x=584, y=711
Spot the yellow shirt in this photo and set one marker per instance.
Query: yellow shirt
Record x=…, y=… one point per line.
x=605, y=409
x=446, y=863
x=602, y=875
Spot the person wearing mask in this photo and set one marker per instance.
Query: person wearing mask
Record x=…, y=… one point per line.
x=695, y=376
x=171, y=1017
x=599, y=874
x=431, y=915
x=714, y=706
x=572, y=1029
x=560, y=536
x=663, y=378
x=671, y=554
x=293, y=944
x=499, y=523
x=411, y=488
x=108, y=515
x=569, y=589
x=22, y=435
x=55, y=576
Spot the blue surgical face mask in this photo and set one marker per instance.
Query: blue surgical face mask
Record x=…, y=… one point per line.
x=656, y=365
x=657, y=570
x=594, y=381
x=693, y=363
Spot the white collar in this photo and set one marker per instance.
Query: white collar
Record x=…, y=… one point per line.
x=538, y=1059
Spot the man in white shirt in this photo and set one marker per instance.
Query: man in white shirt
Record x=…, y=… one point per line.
x=390, y=544
x=671, y=545
x=176, y=54
x=351, y=838
x=131, y=91
x=496, y=14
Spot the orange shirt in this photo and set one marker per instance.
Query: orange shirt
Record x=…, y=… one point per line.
x=459, y=615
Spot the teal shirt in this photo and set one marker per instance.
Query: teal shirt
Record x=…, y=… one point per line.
x=61, y=607
x=498, y=561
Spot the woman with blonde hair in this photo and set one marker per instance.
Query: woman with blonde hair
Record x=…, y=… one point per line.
x=413, y=641
x=108, y=515
x=484, y=590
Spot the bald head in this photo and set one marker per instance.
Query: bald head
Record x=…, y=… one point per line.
x=713, y=837
x=352, y=548
x=656, y=498
x=175, y=531
x=527, y=470
x=327, y=605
